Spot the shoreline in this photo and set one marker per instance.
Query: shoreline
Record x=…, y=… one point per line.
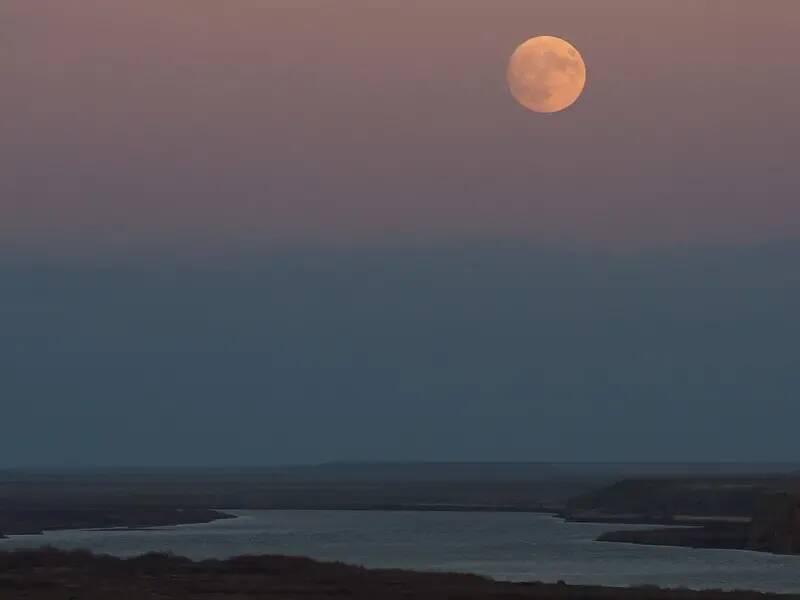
x=711, y=532
x=698, y=534
x=38, y=521
x=704, y=537
x=44, y=574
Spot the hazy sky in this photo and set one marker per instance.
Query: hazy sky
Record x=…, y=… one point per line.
x=466, y=353
x=141, y=121
x=297, y=230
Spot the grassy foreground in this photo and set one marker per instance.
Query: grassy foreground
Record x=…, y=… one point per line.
x=50, y=574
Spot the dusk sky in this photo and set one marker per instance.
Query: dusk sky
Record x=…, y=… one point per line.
x=142, y=121
x=276, y=231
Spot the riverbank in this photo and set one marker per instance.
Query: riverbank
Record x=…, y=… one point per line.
x=50, y=574
x=37, y=521
x=721, y=537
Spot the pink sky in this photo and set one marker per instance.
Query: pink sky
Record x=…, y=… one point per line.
x=150, y=121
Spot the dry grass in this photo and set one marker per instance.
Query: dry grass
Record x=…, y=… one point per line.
x=51, y=574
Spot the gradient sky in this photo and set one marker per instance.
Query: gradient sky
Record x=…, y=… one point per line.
x=142, y=121
x=274, y=231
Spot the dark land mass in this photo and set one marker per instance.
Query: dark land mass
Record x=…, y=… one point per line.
x=15, y=521
x=573, y=488
x=665, y=499
x=721, y=536
x=49, y=574
x=327, y=487
x=755, y=512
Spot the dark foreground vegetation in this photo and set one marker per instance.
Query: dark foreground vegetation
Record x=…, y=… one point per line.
x=50, y=574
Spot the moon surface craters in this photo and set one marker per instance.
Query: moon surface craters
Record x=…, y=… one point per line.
x=546, y=74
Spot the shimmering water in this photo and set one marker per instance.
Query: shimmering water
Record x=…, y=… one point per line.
x=511, y=546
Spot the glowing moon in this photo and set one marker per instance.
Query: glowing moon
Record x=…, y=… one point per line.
x=546, y=74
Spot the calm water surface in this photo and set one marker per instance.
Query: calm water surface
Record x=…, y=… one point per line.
x=510, y=546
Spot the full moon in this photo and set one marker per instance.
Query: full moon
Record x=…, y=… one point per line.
x=546, y=74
